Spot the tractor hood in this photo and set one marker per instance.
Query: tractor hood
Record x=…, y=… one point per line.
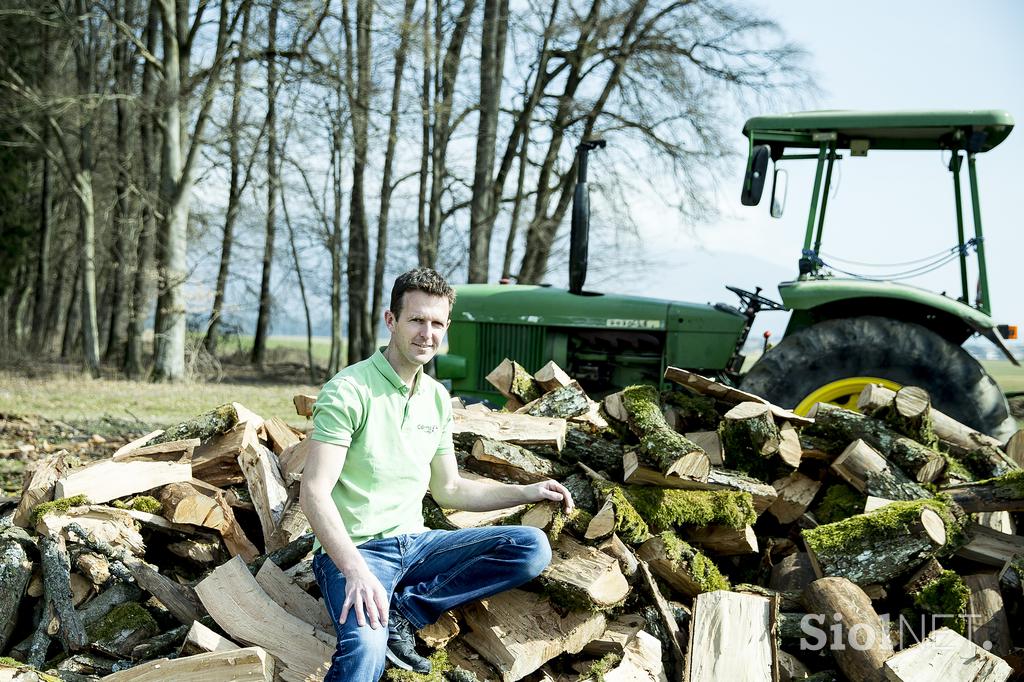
x=548, y=306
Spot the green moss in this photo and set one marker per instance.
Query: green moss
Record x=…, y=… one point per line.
x=123, y=617
x=577, y=521
x=666, y=508
x=57, y=506
x=848, y=534
x=206, y=425
x=524, y=387
x=629, y=523
x=697, y=411
x=839, y=502
x=439, y=666
x=703, y=570
x=1008, y=485
x=956, y=469
x=946, y=595
x=606, y=664
x=142, y=503
x=659, y=442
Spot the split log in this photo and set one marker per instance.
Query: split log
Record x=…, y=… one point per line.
x=930, y=571
x=1001, y=521
x=628, y=522
x=682, y=567
x=59, y=616
x=990, y=628
x=216, y=460
x=469, y=519
x=94, y=567
x=304, y=404
x=723, y=540
x=857, y=639
x=868, y=471
x=108, y=525
x=202, y=552
x=182, y=503
x=180, y=600
x=293, y=598
x=839, y=427
x=292, y=460
x=790, y=450
x=169, y=451
x=521, y=429
x=670, y=452
x=251, y=663
x=793, y=573
x=583, y=577
x=724, y=620
x=665, y=618
x=506, y=460
x=946, y=655
x=1015, y=448
x=235, y=539
x=618, y=550
x=551, y=377
x=240, y=606
x=728, y=394
x=640, y=662
x=795, y=494
x=617, y=635
x=750, y=437
x=614, y=406
x=517, y=632
x=38, y=487
x=280, y=435
x=711, y=443
x=15, y=571
x=1005, y=493
x=990, y=547
x=293, y=522
x=266, y=487
x=565, y=402
x=204, y=426
x=437, y=635
x=136, y=444
x=763, y=495
x=106, y=480
x=201, y=639
x=873, y=548
x=513, y=381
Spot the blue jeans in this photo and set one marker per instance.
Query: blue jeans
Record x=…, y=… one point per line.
x=426, y=574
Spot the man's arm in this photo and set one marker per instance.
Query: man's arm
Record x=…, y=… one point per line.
x=450, y=490
x=363, y=591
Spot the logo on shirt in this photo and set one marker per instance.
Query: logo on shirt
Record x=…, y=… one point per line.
x=427, y=428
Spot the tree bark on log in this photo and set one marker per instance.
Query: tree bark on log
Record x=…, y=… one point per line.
x=723, y=540
x=204, y=426
x=495, y=458
x=565, y=402
x=1005, y=493
x=858, y=641
x=793, y=573
x=840, y=427
x=15, y=571
x=868, y=471
x=671, y=452
x=682, y=567
x=989, y=546
x=57, y=594
x=795, y=494
x=38, y=487
x=876, y=547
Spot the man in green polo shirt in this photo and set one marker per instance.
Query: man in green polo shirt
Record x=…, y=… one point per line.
x=382, y=436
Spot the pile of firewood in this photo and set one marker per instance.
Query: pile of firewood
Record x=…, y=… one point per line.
x=717, y=537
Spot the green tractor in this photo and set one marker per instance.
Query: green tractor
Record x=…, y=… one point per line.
x=844, y=332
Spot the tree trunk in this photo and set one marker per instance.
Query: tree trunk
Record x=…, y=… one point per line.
x=481, y=206
x=360, y=330
x=422, y=232
x=73, y=316
x=386, y=187
x=334, y=245
x=41, y=303
x=313, y=378
x=234, y=191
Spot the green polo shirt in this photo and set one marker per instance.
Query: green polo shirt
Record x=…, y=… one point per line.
x=392, y=434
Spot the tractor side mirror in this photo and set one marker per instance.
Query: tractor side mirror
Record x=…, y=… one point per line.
x=757, y=170
x=780, y=185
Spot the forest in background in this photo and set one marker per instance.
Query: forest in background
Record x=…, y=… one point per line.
x=197, y=164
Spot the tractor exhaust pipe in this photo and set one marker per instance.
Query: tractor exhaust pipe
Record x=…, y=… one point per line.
x=579, y=238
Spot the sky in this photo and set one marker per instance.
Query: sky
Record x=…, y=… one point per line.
x=889, y=207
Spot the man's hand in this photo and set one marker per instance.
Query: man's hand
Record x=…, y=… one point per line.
x=550, y=490
x=363, y=591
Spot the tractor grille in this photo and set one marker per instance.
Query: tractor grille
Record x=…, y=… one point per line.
x=520, y=342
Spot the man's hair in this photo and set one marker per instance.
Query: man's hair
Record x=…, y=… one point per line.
x=427, y=280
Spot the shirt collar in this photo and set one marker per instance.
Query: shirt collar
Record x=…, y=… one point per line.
x=389, y=373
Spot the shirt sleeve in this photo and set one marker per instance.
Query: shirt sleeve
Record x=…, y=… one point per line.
x=446, y=446
x=338, y=413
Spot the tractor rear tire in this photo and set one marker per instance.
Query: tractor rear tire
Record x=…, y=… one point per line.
x=903, y=352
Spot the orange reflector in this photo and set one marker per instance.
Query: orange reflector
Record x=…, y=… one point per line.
x=1009, y=331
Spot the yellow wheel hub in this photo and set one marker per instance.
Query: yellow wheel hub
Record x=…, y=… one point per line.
x=842, y=392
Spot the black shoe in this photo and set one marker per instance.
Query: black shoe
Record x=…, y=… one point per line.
x=402, y=645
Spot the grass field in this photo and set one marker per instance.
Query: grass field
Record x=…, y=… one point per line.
x=1009, y=378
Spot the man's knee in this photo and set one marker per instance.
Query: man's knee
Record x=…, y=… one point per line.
x=361, y=649
x=535, y=548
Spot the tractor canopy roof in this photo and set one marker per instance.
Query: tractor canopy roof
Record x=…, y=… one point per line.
x=975, y=130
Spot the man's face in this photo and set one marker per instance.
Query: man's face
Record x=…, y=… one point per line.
x=417, y=333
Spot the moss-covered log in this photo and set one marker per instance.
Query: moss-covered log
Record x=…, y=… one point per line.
x=945, y=595
x=117, y=633
x=685, y=569
x=565, y=402
x=875, y=547
x=1005, y=493
x=665, y=509
x=838, y=427
x=669, y=451
x=628, y=523
x=868, y=471
x=513, y=381
x=218, y=420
